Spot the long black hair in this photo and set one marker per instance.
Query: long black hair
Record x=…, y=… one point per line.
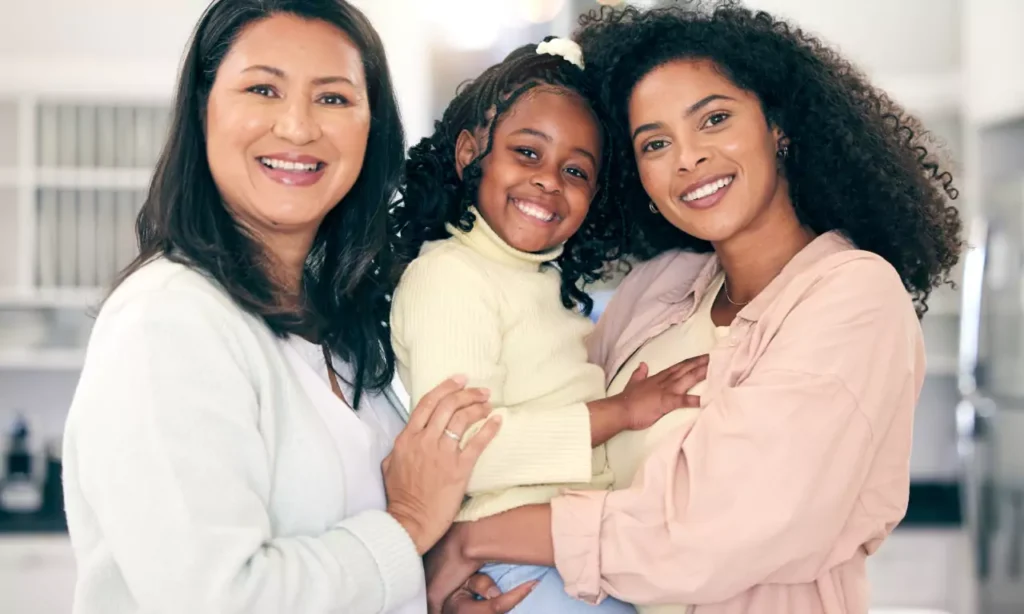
x=433, y=195
x=345, y=291
x=857, y=162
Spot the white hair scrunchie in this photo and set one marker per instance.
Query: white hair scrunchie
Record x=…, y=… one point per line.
x=566, y=49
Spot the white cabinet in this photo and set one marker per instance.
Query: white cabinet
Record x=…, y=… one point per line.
x=71, y=183
x=37, y=574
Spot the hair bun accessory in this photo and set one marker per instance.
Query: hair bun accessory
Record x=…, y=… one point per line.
x=566, y=49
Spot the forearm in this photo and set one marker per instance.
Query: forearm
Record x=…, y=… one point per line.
x=607, y=419
x=521, y=535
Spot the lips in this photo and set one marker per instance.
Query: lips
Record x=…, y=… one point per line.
x=535, y=209
x=706, y=192
x=292, y=169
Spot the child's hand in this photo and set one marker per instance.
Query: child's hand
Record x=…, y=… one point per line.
x=647, y=399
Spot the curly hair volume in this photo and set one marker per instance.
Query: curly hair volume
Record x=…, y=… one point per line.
x=858, y=163
x=433, y=195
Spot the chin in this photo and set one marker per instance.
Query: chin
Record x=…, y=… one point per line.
x=531, y=247
x=292, y=220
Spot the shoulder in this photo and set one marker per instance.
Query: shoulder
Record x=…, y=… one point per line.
x=167, y=295
x=845, y=311
x=852, y=281
x=672, y=271
x=448, y=257
x=446, y=269
x=161, y=277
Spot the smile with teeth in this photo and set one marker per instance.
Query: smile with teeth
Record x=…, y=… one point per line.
x=707, y=190
x=285, y=165
x=536, y=212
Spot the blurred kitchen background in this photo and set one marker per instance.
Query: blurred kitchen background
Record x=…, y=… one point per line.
x=84, y=94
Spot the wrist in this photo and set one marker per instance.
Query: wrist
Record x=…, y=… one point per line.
x=413, y=528
x=617, y=408
x=608, y=418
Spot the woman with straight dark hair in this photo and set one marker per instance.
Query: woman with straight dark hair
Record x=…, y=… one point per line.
x=224, y=449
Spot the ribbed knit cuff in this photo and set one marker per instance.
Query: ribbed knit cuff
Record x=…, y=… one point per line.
x=399, y=565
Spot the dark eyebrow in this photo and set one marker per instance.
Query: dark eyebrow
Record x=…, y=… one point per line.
x=646, y=128
x=277, y=72
x=705, y=101
x=693, y=108
x=547, y=137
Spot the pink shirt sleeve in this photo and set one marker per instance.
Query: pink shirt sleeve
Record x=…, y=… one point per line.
x=761, y=488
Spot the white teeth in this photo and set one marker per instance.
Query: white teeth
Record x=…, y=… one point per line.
x=285, y=165
x=533, y=211
x=707, y=190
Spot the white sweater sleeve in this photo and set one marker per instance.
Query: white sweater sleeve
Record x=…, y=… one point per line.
x=165, y=443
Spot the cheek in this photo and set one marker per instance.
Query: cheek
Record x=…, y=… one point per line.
x=228, y=122
x=757, y=157
x=349, y=139
x=498, y=173
x=348, y=135
x=230, y=138
x=656, y=181
x=579, y=200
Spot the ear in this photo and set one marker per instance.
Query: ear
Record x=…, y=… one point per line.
x=466, y=150
x=780, y=138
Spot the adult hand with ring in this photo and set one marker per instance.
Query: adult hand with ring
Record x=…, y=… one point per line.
x=459, y=424
x=426, y=474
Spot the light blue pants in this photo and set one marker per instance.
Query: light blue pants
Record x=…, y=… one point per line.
x=549, y=596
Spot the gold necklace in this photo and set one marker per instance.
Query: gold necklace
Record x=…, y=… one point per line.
x=725, y=286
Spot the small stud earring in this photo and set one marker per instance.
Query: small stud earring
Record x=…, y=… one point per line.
x=653, y=209
x=782, y=152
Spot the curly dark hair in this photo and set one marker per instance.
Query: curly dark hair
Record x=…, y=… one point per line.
x=858, y=162
x=433, y=195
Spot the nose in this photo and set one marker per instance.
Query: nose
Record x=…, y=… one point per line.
x=691, y=155
x=548, y=178
x=296, y=124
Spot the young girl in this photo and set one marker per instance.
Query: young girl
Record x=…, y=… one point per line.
x=506, y=213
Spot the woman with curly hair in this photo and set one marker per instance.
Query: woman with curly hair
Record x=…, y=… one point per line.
x=792, y=224
x=505, y=213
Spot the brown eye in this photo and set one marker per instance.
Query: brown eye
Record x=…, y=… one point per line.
x=579, y=173
x=334, y=100
x=654, y=145
x=715, y=119
x=262, y=90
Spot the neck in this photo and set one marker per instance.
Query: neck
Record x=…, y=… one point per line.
x=754, y=257
x=286, y=261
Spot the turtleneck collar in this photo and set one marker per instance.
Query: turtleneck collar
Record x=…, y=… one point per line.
x=486, y=242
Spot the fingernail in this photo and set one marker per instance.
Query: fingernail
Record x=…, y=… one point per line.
x=486, y=392
x=493, y=592
x=460, y=379
x=534, y=584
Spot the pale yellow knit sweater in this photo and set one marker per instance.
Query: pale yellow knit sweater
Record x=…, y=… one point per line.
x=474, y=305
